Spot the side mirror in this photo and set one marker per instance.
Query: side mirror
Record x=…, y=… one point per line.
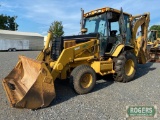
x=84, y=30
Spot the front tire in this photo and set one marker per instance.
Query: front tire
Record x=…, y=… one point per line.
x=83, y=79
x=125, y=67
x=9, y=50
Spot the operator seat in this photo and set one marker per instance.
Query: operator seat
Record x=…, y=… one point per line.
x=111, y=40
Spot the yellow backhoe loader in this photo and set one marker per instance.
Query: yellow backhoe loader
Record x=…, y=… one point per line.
x=153, y=46
x=107, y=45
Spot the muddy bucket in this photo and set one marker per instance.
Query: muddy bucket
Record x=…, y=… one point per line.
x=29, y=84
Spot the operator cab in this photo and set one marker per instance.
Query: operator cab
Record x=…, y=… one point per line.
x=153, y=35
x=110, y=27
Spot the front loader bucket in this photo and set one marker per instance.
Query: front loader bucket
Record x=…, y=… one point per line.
x=29, y=84
x=154, y=54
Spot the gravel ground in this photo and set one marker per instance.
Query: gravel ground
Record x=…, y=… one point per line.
x=107, y=101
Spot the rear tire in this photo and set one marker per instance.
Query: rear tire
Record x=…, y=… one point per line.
x=125, y=67
x=83, y=79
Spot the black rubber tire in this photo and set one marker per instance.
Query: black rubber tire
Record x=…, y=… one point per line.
x=14, y=49
x=9, y=50
x=76, y=75
x=119, y=67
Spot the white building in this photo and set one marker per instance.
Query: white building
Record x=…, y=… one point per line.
x=30, y=41
x=45, y=38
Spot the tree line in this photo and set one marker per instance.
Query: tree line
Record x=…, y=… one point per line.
x=56, y=27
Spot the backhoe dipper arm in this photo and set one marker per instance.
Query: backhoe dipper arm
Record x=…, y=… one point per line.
x=141, y=43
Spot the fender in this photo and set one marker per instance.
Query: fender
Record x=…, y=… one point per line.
x=117, y=50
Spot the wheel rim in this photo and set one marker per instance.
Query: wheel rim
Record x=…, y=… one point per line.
x=129, y=67
x=86, y=80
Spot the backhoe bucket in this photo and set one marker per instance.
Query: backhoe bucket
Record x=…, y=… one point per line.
x=29, y=84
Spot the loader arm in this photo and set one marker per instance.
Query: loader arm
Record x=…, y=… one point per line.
x=41, y=55
x=69, y=55
x=140, y=44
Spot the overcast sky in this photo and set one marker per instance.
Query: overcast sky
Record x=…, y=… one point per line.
x=37, y=15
